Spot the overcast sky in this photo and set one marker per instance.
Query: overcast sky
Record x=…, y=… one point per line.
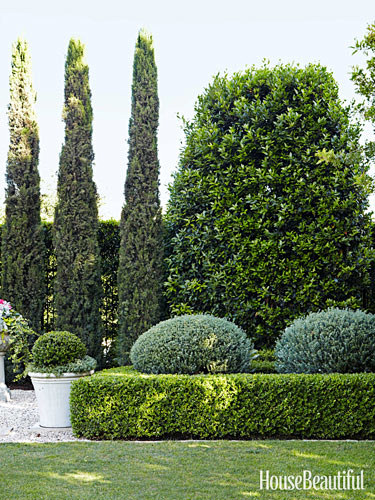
x=193, y=41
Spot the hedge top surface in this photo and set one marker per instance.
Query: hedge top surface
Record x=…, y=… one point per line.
x=122, y=373
x=192, y=344
x=57, y=348
x=335, y=340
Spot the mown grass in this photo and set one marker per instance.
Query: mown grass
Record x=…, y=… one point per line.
x=174, y=470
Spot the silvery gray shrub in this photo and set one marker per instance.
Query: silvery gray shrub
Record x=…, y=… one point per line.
x=330, y=341
x=193, y=344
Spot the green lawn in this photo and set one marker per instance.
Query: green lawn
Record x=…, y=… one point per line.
x=173, y=470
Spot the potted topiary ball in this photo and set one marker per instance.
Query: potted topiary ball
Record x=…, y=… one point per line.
x=58, y=358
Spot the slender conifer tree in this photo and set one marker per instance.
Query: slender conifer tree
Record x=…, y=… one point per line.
x=140, y=272
x=22, y=239
x=77, y=284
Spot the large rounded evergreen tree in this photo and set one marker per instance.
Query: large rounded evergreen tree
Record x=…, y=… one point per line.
x=77, y=282
x=23, y=248
x=140, y=272
x=266, y=217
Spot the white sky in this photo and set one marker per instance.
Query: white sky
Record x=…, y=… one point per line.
x=193, y=41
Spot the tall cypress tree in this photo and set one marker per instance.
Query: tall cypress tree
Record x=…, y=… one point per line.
x=22, y=239
x=77, y=284
x=140, y=273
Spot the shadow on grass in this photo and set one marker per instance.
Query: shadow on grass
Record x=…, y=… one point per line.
x=172, y=470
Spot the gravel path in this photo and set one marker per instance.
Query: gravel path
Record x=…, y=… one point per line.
x=19, y=415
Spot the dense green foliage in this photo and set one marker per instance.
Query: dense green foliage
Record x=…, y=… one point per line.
x=57, y=348
x=266, y=219
x=49, y=312
x=22, y=236
x=109, y=243
x=331, y=341
x=264, y=362
x=140, y=272
x=77, y=283
x=266, y=355
x=192, y=344
x=109, y=246
x=123, y=404
x=261, y=366
x=20, y=341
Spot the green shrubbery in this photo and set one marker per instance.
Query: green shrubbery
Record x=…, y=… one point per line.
x=123, y=404
x=260, y=366
x=193, y=344
x=335, y=340
x=266, y=355
x=264, y=362
x=267, y=213
x=109, y=242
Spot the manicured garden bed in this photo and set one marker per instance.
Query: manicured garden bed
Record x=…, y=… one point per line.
x=124, y=404
x=205, y=470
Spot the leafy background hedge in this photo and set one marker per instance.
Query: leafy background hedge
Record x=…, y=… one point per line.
x=109, y=242
x=267, y=213
x=122, y=404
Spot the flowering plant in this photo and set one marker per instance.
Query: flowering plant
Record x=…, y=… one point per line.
x=21, y=337
x=5, y=312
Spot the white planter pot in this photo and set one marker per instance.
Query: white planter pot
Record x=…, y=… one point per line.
x=52, y=394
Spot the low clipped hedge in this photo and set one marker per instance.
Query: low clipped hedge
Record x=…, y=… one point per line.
x=124, y=404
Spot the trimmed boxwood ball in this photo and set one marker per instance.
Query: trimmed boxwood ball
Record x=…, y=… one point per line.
x=335, y=340
x=193, y=344
x=57, y=348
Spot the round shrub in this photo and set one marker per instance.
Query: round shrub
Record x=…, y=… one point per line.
x=192, y=344
x=331, y=341
x=57, y=348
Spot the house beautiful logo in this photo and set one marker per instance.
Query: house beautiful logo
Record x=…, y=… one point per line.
x=343, y=480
